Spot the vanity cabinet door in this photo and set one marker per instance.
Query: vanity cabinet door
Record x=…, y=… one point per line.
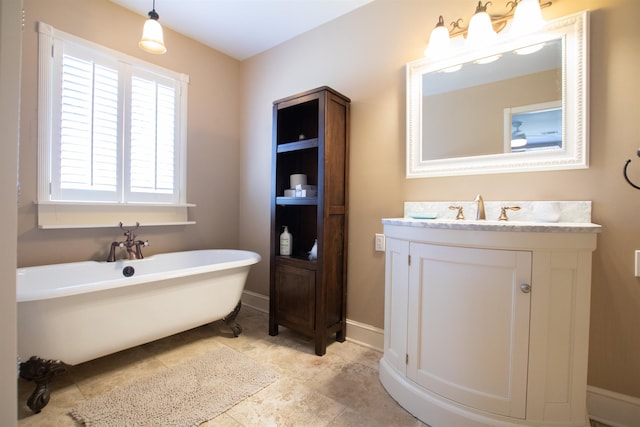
x=396, y=301
x=468, y=325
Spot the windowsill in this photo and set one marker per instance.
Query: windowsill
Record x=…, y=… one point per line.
x=58, y=215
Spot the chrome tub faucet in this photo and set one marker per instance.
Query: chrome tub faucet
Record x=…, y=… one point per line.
x=130, y=244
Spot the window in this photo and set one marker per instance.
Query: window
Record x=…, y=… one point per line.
x=112, y=128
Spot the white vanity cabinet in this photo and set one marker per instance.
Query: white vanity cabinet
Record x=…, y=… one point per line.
x=487, y=327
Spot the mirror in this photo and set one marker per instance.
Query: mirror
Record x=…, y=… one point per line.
x=501, y=110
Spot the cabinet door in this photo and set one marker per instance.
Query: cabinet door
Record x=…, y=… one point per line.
x=396, y=300
x=295, y=297
x=468, y=328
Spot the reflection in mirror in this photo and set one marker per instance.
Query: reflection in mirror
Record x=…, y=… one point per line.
x=519, y=105
x=533, y=127
x=479, y=93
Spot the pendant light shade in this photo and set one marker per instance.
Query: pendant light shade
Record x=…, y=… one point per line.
x=481, y=32
x=152, y=38
x=439, y=41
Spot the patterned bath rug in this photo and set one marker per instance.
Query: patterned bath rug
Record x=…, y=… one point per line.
x=184, y=395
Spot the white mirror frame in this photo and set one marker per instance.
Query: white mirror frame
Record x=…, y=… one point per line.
x=574, y=154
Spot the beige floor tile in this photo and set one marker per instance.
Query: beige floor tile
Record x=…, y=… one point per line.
x=357, y=386
x=286, y=403
x=222, y=420
x=103, y=374
x=351, y=418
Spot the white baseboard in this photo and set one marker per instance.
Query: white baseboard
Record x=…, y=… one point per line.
x=366, y=335
x=611, y=408
x=254, y=300
x=608, y=407
x=357, y=332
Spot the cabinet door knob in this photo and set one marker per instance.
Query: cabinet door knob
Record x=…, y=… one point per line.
x=525, y=288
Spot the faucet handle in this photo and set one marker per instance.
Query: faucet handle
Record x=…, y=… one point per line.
x=503, y=212
x=460, y=215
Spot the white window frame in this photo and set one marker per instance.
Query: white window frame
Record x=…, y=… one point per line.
x=56, y=213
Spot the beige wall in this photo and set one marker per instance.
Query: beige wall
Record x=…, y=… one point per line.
x=213, y=135
x=362, y=55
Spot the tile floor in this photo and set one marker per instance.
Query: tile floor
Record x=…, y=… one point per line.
x=338, y=389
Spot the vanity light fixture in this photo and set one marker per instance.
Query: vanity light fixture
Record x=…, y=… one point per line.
x=152, y=39
x=485, y=28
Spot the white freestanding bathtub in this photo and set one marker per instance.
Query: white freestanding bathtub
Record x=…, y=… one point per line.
x=75, y=312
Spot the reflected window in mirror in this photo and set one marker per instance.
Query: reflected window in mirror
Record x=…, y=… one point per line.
x=533, y=127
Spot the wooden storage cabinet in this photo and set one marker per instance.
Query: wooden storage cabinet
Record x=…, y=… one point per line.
x=311, y=137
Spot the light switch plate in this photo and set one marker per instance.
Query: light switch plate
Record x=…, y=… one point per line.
x=637, y=263
x=380, y=243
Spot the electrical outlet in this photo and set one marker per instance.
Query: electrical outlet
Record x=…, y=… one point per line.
x=380, y=242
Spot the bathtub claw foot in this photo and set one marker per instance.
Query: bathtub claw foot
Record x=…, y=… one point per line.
x=40, y=371
x=230, y=320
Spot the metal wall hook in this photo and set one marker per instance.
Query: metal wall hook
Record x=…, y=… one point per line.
x=625, y=172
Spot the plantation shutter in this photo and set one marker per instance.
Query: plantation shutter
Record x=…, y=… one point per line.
x=111, y=128
x=152, y=150
x=87, y=153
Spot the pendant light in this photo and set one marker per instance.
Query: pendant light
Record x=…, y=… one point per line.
x=152, y=39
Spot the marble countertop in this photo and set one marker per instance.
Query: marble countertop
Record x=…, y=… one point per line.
x=494, y=225
x=532, y=216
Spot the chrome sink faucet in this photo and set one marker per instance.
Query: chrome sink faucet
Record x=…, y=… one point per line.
x=130, y=244
x=480, y=214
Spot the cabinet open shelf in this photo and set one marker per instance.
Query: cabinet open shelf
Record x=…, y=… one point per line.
x=298, y=145
x=283, y=201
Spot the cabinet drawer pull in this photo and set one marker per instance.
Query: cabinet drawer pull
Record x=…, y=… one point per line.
x=525, y=288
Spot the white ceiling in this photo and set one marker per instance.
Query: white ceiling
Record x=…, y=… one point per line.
x=242, y=28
